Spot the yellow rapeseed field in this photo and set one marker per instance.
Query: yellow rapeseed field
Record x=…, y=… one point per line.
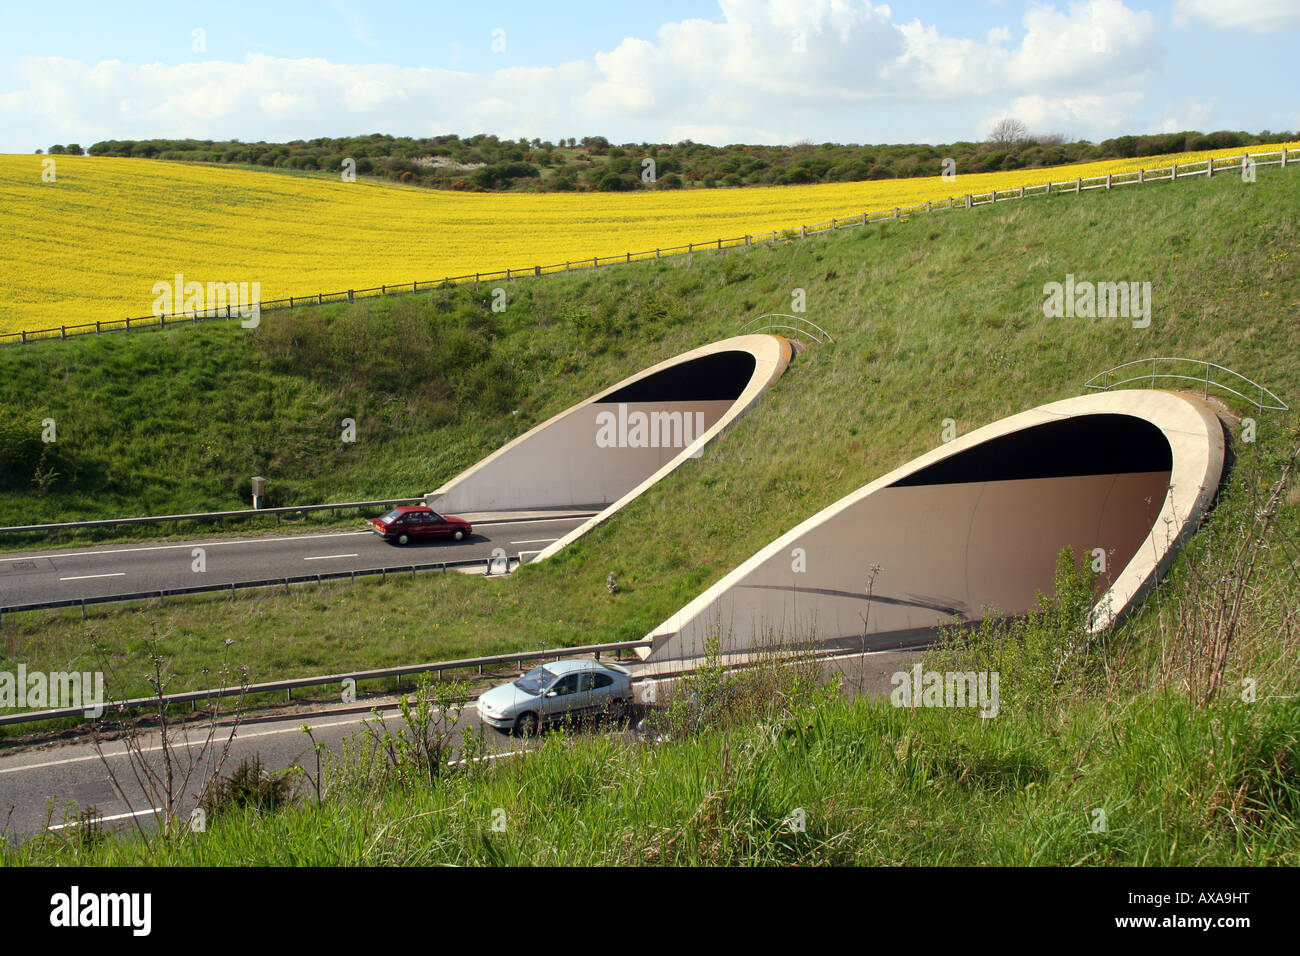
x=91, y=244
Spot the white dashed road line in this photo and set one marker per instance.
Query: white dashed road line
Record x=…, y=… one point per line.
x=328, y=557
x=187, y=546
x=87, y=577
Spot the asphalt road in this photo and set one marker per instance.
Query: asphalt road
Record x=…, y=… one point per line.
x=34, y=577
x=44, y=787
x=44, y=784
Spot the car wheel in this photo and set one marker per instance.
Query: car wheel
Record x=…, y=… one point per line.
x=618, y=711
x=458, y=534
x=403, y=538
x=526, y=725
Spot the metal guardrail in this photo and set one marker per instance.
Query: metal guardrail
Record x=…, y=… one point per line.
x=801, y=326
x=209, y=515
x=1151, y=373
x=292, y=684
x=233, y=586
x=1203, y=167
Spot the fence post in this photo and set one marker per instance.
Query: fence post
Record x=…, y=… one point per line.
x=690, y=247
x=537, y=270
x=97, y=326
x=1078, y=184
x=629, y=257
x=1174, y=175
x=720, y=243
x=1284, y=157
x=291, y=302
x=968, y=200
x=746, y=240
x=507, y=275
x=927, y=205
x=895, y=212
x=1209, y=168
x=803, y=232
x=1022, y=192
x=774, y=235
x=1141, y=178
x=1108, y=180
x=566, y=267
x=63, y=331
x=25, y=334
x=656, y=253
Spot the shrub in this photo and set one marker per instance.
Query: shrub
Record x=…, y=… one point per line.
x=249, y=785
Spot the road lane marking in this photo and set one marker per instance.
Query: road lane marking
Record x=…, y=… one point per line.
x=183, y=547
x=116, y=816
x=535, y=541
x=328, y=557
x=87, y=577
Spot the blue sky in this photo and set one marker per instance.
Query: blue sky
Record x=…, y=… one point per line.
x=732, y=71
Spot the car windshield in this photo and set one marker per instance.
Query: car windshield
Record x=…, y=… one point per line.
x=391, y=516
x=536, y=681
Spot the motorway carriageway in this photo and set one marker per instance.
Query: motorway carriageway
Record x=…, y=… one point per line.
x=33, y=577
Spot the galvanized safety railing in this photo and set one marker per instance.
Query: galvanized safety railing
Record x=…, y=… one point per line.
x=1207, y=375
x=796, y=324
x=290, y=685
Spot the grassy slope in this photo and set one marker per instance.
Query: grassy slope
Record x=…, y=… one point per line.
x=936, y=318
x=878, y=786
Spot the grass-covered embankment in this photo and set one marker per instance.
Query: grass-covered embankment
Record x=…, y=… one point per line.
x=935, y=318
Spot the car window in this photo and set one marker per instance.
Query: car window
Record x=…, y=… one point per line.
x=535, y=681
x=601, y=680
x=585, y=683
x=566, y=685
x=391, y=516
x=434, y=517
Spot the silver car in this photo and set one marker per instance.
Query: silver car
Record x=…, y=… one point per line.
x=572, y=688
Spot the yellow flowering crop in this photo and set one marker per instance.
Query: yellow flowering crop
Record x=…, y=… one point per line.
x=92, y=243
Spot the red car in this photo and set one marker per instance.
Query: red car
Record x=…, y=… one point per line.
x=414, y=522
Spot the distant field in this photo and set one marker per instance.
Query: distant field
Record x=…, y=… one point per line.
x=92, y=244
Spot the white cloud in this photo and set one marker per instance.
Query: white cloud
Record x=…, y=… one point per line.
x=1258, y=16
x=1070, y=114
x=1192, y=115
x=768, y=71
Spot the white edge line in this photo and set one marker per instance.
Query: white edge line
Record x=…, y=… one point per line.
x=116, y=816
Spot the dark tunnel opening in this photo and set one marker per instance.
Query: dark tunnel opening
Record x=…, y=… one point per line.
x=716, y=377
x=1107, y=444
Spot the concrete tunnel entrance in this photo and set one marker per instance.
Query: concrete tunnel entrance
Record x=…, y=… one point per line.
x=973, y=527
x=605, y=451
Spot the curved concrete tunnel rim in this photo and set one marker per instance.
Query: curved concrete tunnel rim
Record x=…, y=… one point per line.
x=772, y=355
x=1195, y=436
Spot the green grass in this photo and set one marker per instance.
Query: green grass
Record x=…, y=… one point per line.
x=877, y=786
x=927, y=327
